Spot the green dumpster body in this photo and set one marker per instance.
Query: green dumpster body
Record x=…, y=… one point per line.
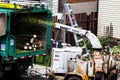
x=15, y=32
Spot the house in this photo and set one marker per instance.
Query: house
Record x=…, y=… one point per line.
x=108, y=15
x=108, y=18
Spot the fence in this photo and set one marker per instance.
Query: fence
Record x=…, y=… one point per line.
x=87, y=22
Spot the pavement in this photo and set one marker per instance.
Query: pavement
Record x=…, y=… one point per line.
x=38, y=70
x=118, y=78
x=42, y=70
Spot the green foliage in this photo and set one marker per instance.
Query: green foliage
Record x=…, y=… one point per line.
x=85, y=42
x=35, y=21
x=115, y=49
x=114, y=45
x=104, y=41
x=88, y=44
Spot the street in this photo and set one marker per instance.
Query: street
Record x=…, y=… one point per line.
x=118, y=77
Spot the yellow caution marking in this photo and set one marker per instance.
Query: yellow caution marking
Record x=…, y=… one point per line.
x=9, y=6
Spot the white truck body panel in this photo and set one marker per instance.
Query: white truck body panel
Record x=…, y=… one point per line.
x=60, y=57
x=90, y=68
x=98, y=64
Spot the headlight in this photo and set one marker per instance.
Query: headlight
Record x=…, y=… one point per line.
x=2, y=47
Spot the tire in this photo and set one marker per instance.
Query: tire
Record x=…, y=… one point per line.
x=22, y=65
x=74, y=78
x=2, y=71
x=113, y=76
x=51, y=77
x=91, y=78
x=98, y=75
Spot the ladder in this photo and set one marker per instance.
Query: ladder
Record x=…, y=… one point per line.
x=73, y=21
x=74, y=24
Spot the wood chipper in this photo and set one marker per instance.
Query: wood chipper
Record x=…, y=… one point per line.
x=75, y=62
x=24, y=34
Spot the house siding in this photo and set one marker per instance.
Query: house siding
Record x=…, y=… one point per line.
x=109, y=13
x=85, y=7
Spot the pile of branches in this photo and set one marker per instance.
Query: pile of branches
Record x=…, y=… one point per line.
x=34, y=44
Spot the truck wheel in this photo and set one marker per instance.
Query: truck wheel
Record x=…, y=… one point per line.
x=22, y=65
x=74, y=78
x=2, y=71
x=113, y=76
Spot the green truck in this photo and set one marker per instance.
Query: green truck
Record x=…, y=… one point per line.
x=24, y=34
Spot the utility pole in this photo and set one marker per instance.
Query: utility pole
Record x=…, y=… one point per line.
x=63, y=19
